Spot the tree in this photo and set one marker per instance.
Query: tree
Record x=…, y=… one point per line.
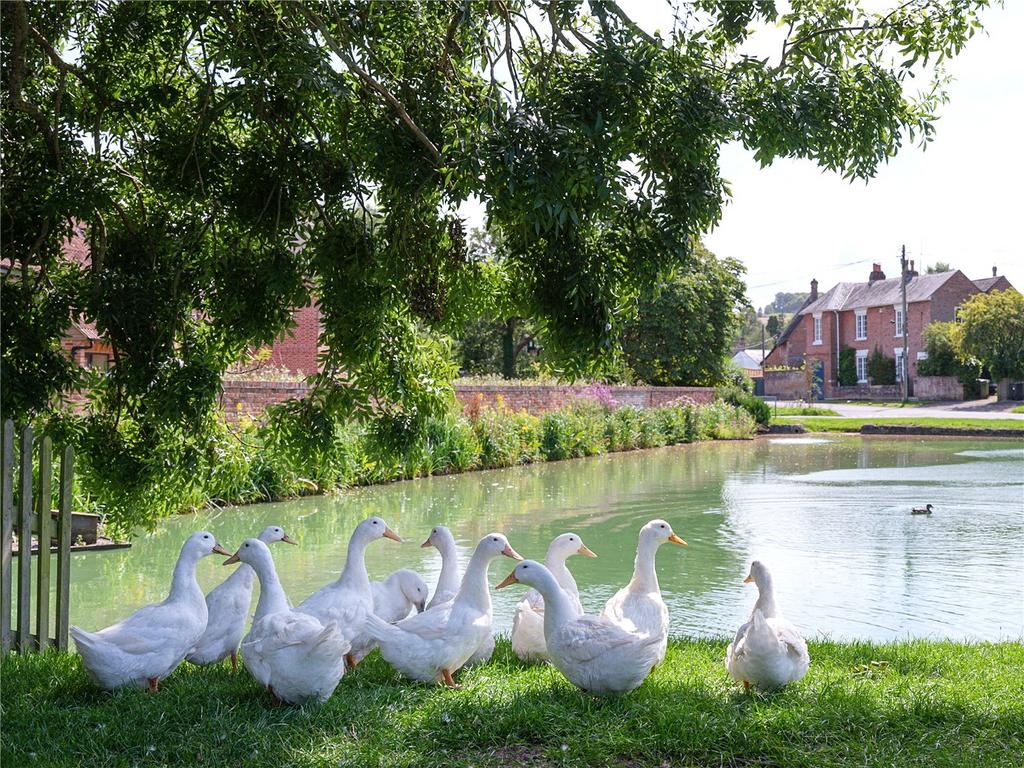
x=881, y=368
x=228, y=162
x=942, y=345
x=774, y=325
x=685, y=325
x=992, y=333
x=938, y=266
x=848, y=367
x=786, y=303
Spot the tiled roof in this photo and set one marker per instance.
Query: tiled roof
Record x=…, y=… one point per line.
x=985, y=283
x=880, y=293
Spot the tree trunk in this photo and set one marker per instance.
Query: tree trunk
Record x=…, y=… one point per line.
x=508, y=349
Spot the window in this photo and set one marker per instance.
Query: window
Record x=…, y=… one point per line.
x=899, y=363
x=862, y=324
x=956, y=314
x=817, y=329
x=899, y=320
x=922, y=356
x=97, y=361
x=862, y=366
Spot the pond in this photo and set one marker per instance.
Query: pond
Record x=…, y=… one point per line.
x=829, y=515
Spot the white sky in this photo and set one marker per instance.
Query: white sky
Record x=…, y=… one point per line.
x=958, y=201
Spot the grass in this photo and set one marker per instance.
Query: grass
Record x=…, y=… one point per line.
x=896, y=404
x=803, y=411
x=854, y=424
x=1017, y=409
x=915, y=703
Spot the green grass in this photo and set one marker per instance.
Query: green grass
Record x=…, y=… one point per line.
x=1018, y=409
x=897, y=404
x=804, y=411
x=854, y=424
x=925, y=704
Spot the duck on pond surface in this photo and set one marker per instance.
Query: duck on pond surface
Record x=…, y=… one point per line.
x=147, y=646
x=925, y=510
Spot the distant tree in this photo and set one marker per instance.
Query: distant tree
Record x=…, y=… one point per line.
x=786, y=303
x=992, y=332
x=774, y=325
x=684, y=327
x=938, y=266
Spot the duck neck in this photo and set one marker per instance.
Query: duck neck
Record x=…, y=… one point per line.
x=475, y=591
x=766, y=599
x=448, y=580
x=555, y=562
x=645, y=577
x=558, y=609
x=354, y=575
x=183, y=583
x=272, y=596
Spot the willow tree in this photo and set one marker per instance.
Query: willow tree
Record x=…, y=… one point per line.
x=228, y=162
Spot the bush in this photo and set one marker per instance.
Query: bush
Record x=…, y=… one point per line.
x=881, y=369
x=848, y=367
x=754, y=405
x=723, y=421
x=941, y=343
x=573, y=432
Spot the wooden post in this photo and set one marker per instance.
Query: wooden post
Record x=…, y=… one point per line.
x=67, y=473
x=23, y=641
x=43, y=558
x=7, y=510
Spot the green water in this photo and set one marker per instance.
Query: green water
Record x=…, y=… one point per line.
x=829, y=515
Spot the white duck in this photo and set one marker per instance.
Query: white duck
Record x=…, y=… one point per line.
x=291, y=654
x=528, y=623
x=638, y=606
x=228, y=606
x=147, y=646
x=449, y=580
x=393, y=598
x=767, y=651
x=593, y=652
x=432, y=645
x=348, y=601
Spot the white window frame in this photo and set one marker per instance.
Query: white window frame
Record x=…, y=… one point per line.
x=900, y=320
x=956, y=313
x=922, y=356
x=862, y=365
x=898, y=354
x=816, y=328
x=860, y=315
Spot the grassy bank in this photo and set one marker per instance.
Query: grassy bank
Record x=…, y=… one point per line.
x=842, y=424
x=914, y=703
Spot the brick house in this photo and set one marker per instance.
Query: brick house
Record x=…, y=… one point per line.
x=863, y=317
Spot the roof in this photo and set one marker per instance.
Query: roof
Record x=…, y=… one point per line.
x=985, y=284
x=748, y=358
x=879, y=293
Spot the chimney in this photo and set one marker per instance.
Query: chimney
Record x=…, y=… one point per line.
x=876, y=273
x=814, y=290
x=912, y=272
x=994, y=274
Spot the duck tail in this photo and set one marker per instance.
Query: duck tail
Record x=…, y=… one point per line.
x=331, y=637
x=379, y=629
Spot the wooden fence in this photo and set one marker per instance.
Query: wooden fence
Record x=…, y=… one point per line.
x=20, y=485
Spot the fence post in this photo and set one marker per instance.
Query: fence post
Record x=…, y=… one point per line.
x=43, y=558
x=23, y=642
x=7, y=512
x=67, y=473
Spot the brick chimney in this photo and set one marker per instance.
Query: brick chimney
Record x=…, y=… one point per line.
x=814, y=290
x=912, y=272
x=994, y=274
x=876, y=273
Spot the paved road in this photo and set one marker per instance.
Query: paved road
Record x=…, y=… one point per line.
x=971, y=409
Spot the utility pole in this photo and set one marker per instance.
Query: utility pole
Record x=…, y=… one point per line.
x=906, y=350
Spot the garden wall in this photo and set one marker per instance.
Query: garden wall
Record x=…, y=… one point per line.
x=938, y=388
x=868, y=392
x=787, y=385
x=249, y=398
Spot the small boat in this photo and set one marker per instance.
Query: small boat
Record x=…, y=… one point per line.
x=925, y=510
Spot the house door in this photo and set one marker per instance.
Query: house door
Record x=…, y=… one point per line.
x=817, y=380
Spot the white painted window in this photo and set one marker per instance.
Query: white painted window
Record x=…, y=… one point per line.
x=922, y=355
x=862, y=366
x=899, y=363
x=861, y=317
x=817, y=329
x=899, y=320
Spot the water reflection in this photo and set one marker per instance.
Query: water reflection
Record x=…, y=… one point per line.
x=831, y=517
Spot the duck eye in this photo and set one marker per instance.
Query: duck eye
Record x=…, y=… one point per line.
x=247, y=545
x=374, y=522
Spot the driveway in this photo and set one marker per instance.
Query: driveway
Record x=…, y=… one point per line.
x=969, y=409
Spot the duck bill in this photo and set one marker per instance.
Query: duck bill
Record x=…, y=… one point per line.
x=510, y=579
x=676, y=540
x=389, y=534
x=748, y=580
x=420, y=606
x=232, y=560
x=509, y=552
x=289, y=540
x=220, y=550
x=585, y=550
x=426, y=544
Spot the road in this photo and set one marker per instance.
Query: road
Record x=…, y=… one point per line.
x=970, y=409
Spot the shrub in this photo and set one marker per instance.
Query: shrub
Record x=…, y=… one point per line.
x=723, y=421
x=575, y=431
x=848, y=367
x=941, y=343
x=881, y=369
x=754, y=405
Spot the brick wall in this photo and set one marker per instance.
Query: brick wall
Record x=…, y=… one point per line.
x=787, y=385
x=250, y=398
x=938, y=388
x=297, y=350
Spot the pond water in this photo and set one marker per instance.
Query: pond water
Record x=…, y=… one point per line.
x=829, y=515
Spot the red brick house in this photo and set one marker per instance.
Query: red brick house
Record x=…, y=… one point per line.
x=863, y=317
